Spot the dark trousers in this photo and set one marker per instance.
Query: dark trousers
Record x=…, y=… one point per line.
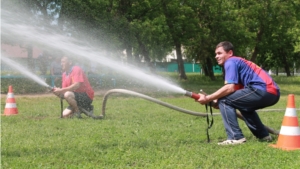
x=246, y=100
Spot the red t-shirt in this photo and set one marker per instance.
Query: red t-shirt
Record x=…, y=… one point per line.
x=77, y=75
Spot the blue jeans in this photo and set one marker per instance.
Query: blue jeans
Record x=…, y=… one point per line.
x=246, y=100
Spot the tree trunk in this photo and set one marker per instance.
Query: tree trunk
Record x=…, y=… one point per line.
x=176, y=40
x=145, y=53
x=205, y=70
x=284, y=61
x=209, y=67
x=130, y=59
x=256, y=48
x=180, y=63
x=286, y=67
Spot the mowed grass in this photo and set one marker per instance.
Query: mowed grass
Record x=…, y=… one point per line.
x=137, y=133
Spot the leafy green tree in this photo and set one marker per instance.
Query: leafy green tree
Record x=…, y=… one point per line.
x=134, y=25
x=266, y=32
x=262, y=31
x=182, y=23
x=218, y=21
x=275, y=36
x=40, y=13
x=150, y=32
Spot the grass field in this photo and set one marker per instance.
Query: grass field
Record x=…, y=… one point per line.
x=137, y=133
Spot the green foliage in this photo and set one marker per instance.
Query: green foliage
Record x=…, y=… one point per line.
x=266, y=32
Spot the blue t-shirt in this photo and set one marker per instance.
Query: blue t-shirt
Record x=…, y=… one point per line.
x=247, y=73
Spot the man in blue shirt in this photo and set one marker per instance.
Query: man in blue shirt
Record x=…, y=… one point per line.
x=247, y=88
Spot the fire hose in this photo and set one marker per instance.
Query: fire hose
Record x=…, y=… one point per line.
x=189, y=94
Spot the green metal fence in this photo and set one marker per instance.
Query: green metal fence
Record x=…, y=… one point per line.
x=188, y=67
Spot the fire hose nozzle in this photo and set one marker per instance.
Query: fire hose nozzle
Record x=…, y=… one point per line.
x=50, y=88
x=192, y=95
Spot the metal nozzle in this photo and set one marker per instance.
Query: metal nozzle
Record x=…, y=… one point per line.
x=188, y=94
x=50, y=88
x=192, y=95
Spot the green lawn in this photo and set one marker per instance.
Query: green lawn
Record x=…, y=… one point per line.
x=137, y=133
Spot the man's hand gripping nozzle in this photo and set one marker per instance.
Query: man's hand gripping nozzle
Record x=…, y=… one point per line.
x=192, y=95
x=51, y=89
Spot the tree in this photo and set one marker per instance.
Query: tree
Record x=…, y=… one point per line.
x=182, y=24
x=218, y=21
x=263, y=31
x=40, y=13
x=276, y=39
x=133, y=26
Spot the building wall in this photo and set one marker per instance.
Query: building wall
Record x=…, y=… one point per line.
x=17, y=51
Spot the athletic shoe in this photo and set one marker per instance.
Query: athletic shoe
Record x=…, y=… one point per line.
x=232, y=142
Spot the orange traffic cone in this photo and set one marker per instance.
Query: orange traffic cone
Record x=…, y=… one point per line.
x=10, y=107
x=289, y=135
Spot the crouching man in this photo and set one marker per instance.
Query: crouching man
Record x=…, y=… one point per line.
x=259, y=91
x=76, y=88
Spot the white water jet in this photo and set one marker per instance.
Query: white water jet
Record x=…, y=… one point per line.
x=13, y=27
x=23, y=70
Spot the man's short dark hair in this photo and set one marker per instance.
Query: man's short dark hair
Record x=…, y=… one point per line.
x=227, y=46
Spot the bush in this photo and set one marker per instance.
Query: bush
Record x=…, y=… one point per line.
x=22, y=86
